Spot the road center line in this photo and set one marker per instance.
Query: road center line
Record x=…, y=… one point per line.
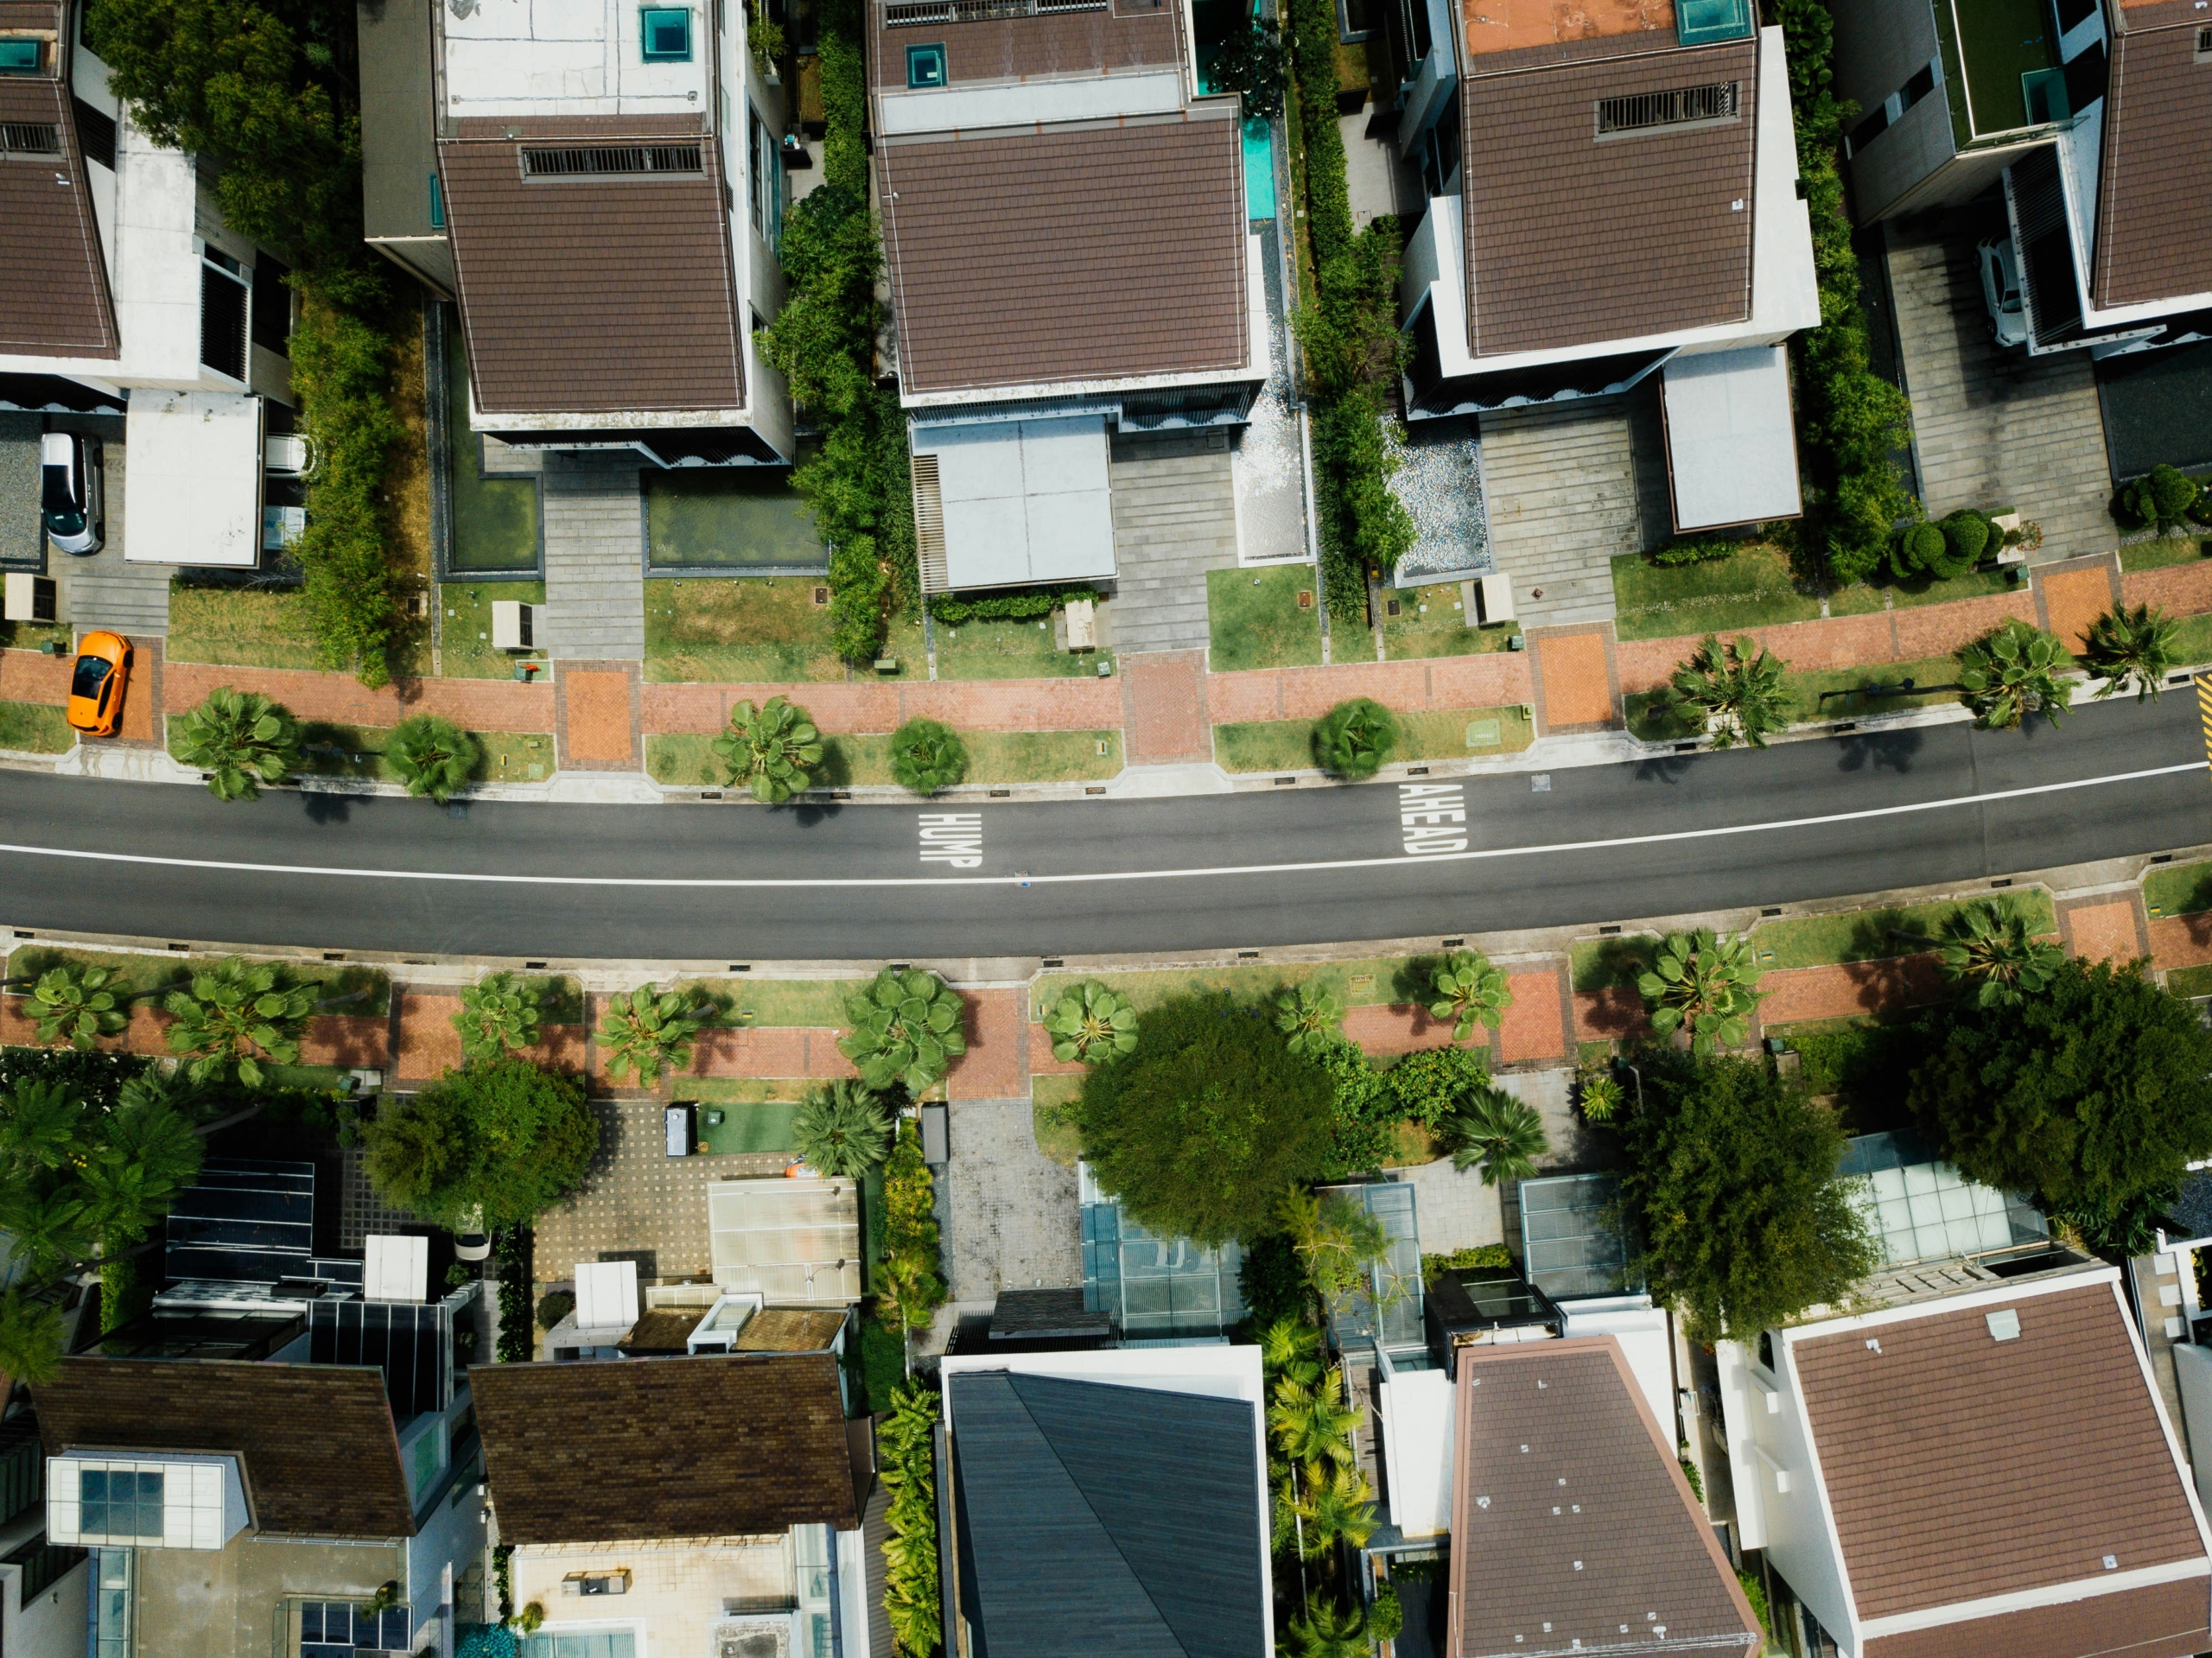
x=1395, y=862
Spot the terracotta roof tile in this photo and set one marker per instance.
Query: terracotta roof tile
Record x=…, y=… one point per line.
x=638, y=1449
x=2154, y=215
x=1571, y=240
x=1068, y=254
x=319, y=1452
x=2165, y=1620
x=1959, y=1466
x=54, y=292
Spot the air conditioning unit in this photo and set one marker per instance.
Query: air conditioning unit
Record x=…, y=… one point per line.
x=616, y=1582
x=514, y=626
x=29, y=599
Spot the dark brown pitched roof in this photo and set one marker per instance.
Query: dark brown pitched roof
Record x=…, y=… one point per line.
x=637, y=1450
x=593, y=295
x=1089, y=253
x=53, y=293
x=1571, y=239
x=1030, y=48
x=2154, y=207
x=790, y=1329
x=316, y=1441
x=1570, y=1516
x=2165, y=1620
x=1959, y=1466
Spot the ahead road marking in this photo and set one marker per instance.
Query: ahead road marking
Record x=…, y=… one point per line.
x=1670, y=838
x=1433, y=816
x=955, y=838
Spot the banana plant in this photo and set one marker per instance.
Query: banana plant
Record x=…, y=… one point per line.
x=1091, y=1024
x=647, y=1032
x=77, y=1005
x=1469, y=992
x=905, y=1030
x=771, y=750
x=1308, y=1014
x=1702, y=983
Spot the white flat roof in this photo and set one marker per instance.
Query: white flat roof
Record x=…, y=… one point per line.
x=1416, y=1408
x=191, y=484
x=569, y=57
x=1025, y=500
x=1732, y=448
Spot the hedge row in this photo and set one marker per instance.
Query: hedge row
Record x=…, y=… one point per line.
x=1023, y=607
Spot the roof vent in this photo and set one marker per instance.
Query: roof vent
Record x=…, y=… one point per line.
x=1873, y=1344
x=2111, y=1562
x=1679, y=106
x=2003, y=1325
x=610, y=161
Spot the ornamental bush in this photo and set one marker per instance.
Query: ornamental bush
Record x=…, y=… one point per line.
x=1430, y=1085
x=1966, y=537
x=910, y=1284
x=1355, y=739
x=926, y=757
x=1027, y=605
x=2162, y=498
x=1696, y=550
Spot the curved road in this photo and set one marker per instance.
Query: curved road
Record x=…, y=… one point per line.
x=1806, y=819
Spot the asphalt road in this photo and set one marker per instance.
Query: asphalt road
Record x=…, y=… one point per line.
x=1808, y=820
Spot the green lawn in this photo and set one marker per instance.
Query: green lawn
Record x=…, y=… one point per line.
x=1430, y=623
x=1433, y=734
x=2178, y=889
x=1057, y=1135
x=495, y=519
x=1372, y=981
x=342, y=751
x=1806, y=689
x=32, y=636
x=1975, y=584
x=729, y=518
x=1612, y=963
x=994, y=757
x=760, y=629
x=240, y=627
x=1019, y=650
x=465, y=631
x=1866, y=1063
x=560, y=998
x=2191, y=980
x=745, y=1001
x=749, y=1128
x=2193, y=640
x=1755, y=589
x=1254, y=619
x=2157, y=555
x=34, y=728
x=140, y=972
x=1872, y=934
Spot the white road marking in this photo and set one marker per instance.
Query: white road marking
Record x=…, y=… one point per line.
x=954, y=838
x=1669, y=837
x=1433, y=816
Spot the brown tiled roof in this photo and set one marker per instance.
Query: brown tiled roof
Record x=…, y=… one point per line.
x=1959, y=1466
x=1081, y=253
x=2154, y=208
x=2165, y=1620
x=593, y=295
x=1571, y=241
x=662, y=1330
x=53, y=293
x=790, y=1329
x=1030, y=48
x=635, y=1450
x=1570, y=1516
x=316, y=1441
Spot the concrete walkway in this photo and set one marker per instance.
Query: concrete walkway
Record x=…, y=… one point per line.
x=595, y=560
x=1174, y=501
x=1561, y=495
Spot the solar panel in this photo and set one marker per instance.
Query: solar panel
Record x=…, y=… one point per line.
x=412, y=1343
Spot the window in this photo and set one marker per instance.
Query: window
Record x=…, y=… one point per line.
x=39, y=138
x=667, y=34
x=764, y=174
x=111, y=1603
x=95, y=134
x=1766, y=1348
x=907, y=13
x=609, y=161
x=340, y=1629
x=2204, y=44
x=925, y=65
x=437, y=204
x=590, y=1644
x=756, y=182
x=111, y=1503
x=222, y=319
x=1683, y=106
x=19, y=56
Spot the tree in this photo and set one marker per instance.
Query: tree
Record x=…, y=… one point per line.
x=1290, y=1350
x=1469, y=991
x=76, y=1005
x=2088, y=1094
x=1307, y=1013
x=1363, y=1113
x=910, y=1283
x=1504, y=1135
x=1310, y=1421
x=905, y=1030
x=501, y=1135
x=1337, y=1508
x=1249, y=64
x=842, y=1131
x=1991, y=951
x=1337, y=1242
x=1702, y=983
x=497, y=1013
x=2123, y=645
x=1207, y=1122
x=648, y=1031
x=912, y=1598
x=2013, y=672
x=236, y=1017
x=1357, y=738
x=1730, y=1179
x=772, y=749
x=1091, y=1024
x=434, y=757
x=1430, y=1085
x=1329, y=1631
x=241, y=740
x=1735, y=689
x=926, y=757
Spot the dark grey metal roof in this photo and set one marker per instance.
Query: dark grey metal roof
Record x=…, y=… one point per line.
x=1128, y=1514
x=1045, y=1313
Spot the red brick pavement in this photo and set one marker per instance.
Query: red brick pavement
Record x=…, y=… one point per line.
x=1855, y=987
x=1578, y=689
x=1535, y=1024
x=2182, y=940
x=2184, y=589
x=1609, y=1015
x=596, y=716
x=770, y=1050
x=347, y=1040
x=1165, y=713
x=471, y=704
x=2104, y=930
x=34, y=677
x=2074, y=599
x=992, y=1068
x=1836, y=642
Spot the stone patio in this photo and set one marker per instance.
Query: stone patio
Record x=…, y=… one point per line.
x=1011, y=1215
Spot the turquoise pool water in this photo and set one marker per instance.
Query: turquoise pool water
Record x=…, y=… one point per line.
x=1259, y=170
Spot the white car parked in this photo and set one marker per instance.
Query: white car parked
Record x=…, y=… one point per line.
x=70, y=493
x=2000, y=291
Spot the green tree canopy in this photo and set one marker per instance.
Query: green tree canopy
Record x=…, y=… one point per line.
x=842, y=1130
x=1732, y=1181
x=2087, y=1094
x=501, y=1134
x=1207, y=1123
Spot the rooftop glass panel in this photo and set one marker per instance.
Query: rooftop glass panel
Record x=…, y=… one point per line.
x=1920, y=1208
x=1701, y=22
x=1572, y=1237
x=1387, y=1314
x=1155, y=1288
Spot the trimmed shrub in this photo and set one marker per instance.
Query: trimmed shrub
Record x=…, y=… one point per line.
x=926, y=757
x=1696, y=549
x=1355, y=739
x=1918, y=550
x=2163, y=497
x=1966, y=536
x=1026, y=605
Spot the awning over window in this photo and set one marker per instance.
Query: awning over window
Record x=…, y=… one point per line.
x=1024, y=501
x=1732, y=447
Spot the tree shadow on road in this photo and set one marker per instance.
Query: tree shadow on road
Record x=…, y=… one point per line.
x=1889, y=751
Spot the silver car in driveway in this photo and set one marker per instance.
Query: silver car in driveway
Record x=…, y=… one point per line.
x=2000, y=291
x=70, y=492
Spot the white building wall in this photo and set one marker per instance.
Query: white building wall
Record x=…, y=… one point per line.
x=53, y=1625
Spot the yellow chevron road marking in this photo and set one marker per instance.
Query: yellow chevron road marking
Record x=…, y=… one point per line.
x=2204, y=712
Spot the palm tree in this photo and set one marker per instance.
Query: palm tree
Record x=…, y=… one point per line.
x=1288, y=1350
x=240, y=740
x=926, y=757
x=1340, y=1507
x=842, y=1131
x=497, y=1013
x=1336, y=1240
x=1355, y=739
x=30, y=1335
x=1308, y=1014
x=432, y=756
x=1469, y=991
x=772, y=749
x=236, y=1017
x=1702, y=983
x=1736, y=689
x=75, y=1005
x=1091, y=1024
x=1329, y=1631
x=905, y=1029
x=1993, y=952
x=648, y=1031
x=2123, y=645
x=1503, y=1135
x=1599, y=1095
x=2012, y=673
x=1311, y=1421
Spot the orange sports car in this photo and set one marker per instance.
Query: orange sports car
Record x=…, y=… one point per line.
x=97, y=685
